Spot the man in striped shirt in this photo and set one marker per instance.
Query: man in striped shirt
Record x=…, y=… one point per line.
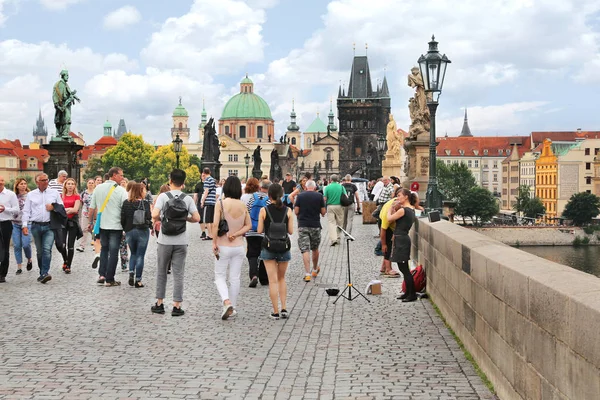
x=209, y=198
x=57, y=184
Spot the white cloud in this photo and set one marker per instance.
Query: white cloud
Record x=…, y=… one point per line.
x=495, y=119
x=220, y=36
x=122, y=18
x=59, y=4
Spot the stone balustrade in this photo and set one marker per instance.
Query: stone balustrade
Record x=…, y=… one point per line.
x=532, y=325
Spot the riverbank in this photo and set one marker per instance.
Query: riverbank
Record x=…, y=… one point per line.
x=539, y=236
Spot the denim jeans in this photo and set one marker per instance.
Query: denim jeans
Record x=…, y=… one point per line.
x=43, y=237
x=21, y=243
x=137, y=239
x=109, y=254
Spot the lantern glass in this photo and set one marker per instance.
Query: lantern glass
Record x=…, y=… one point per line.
x=247, y=159
x=177, y=142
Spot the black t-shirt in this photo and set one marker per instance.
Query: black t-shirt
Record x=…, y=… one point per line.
x=288, y=187
x=310, y=204
x=350, y=190
x=199, y=190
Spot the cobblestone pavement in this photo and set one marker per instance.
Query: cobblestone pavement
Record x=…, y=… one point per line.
x=72, y=339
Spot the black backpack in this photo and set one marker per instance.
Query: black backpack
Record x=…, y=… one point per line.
x=276, y=239
x=175, y=213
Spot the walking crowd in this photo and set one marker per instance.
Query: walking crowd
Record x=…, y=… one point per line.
x=252, y=220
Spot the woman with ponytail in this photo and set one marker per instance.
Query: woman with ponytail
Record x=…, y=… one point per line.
x=276, y=249
x=404, y=214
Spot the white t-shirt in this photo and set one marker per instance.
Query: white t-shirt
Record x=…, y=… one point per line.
x=181, y=239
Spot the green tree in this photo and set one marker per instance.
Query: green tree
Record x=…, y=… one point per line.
x=534, y=207
x=581, y=208
x=523, y=198
x=132, y=154
x=479, y=204
x=94, y=167
x=29, y=179
x=192, y=177
x=455, y=180
x=163, y=161
x=195, y=160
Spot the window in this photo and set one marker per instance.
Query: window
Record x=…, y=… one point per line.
x=476, y=163
x=495, y=177
x=504, y=179
x=588, y=165
x=513, y=192
x=485, y=152
x=596, y=151
x=495, y=164
x=587, y=151
x=232, y=172
x=500, y=151
x=455, y=161
x=588, y=191
x=309, y=144
x=180, y=125
x=504, y=191
x=469, y=164
x=588, y=180
x=504, y=168
x=227, y=129
x=462, y=152
x=294, y=141
x=230, y=158
x=242, y=132
x=259, y=132
x=508, y=152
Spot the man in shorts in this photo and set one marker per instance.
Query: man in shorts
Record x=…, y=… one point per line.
x=309, y=208
x=209, y=198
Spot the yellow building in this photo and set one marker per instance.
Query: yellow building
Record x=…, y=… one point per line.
x=546, y=178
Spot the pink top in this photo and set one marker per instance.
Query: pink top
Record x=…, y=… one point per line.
x=235, y=224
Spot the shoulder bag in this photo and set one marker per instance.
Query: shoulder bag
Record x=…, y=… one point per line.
x=223, y=225
x=96, y=229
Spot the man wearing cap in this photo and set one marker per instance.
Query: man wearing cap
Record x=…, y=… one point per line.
x=57, y=184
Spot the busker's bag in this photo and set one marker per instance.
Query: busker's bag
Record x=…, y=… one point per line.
x=420, y=279
x=174, y=217
x=276, y=240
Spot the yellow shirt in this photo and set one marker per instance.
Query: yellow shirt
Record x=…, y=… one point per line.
x=383, y=215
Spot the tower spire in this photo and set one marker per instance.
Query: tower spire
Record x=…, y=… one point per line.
x=466, y=131
x=293, y=127
x=331, y=123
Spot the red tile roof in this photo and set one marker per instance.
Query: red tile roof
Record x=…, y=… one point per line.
x=564, y=136
x=106, y=141
x=452, y=146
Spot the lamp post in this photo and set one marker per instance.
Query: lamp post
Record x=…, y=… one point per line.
x=433, y=70
x=380, y=150
x=247, y=161
x=368, y=161
x=177, y=142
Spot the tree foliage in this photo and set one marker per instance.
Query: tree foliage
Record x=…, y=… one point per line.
x=534, y=208
x=94, y=167
x=479, y=204
x=195, y=160
x=522, y=198
x=132, y=154
x=455, y=180
x=582, y=207
x=163, y=161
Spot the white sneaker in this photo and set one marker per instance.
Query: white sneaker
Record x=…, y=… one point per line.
x=233, y=314
x=227, y=311
x=80, y=249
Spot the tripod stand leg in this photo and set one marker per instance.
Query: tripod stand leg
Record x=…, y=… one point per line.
x=342, y=294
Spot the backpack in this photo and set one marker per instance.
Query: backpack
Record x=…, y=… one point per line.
x=345, y=200
x=174, y=217
x=277, y=239
x=258, y=204
x=420, y=279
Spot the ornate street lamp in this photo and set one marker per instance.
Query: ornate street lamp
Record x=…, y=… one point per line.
x=381, y=149
x=247, y=161
x=368, y=161
x=433, y=70
x=177, y=142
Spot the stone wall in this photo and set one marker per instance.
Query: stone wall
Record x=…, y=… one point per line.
x=531, y=325
x=537, y=236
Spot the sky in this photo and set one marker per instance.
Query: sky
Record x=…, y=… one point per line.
x=517, y=65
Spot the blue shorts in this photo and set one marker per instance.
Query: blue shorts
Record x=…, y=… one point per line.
x=266, y=255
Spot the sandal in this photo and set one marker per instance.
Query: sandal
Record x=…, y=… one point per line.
x=139, y=285
x=392, y=274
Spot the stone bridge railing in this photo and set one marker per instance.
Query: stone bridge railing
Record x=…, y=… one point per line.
x=532, y=325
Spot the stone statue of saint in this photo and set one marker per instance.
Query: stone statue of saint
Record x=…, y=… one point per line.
x=275, y=167
x=216, y=147
x=419, y=113
x=394, y=140
x=63, y=98
x=257, y=159
x=207, y=142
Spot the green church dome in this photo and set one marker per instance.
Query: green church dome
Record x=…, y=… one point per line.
x=180, y=110
x=246, y=105
x=107, y=124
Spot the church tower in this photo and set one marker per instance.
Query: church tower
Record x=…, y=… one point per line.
x=363, y=114
x=202, y=124
x=466, y=131
x=40, y=133
x=331, y=124
x=180, y=123
x=293, y=130
x=108, y=128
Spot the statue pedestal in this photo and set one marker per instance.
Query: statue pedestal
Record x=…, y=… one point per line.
x=63, y=156
x=257, y=173
x=394, y=167
x=215, y=168
x=418, y=164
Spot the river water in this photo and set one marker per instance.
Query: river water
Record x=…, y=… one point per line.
x=583, y=258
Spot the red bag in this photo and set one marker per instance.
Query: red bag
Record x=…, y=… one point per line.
x=420, y=279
